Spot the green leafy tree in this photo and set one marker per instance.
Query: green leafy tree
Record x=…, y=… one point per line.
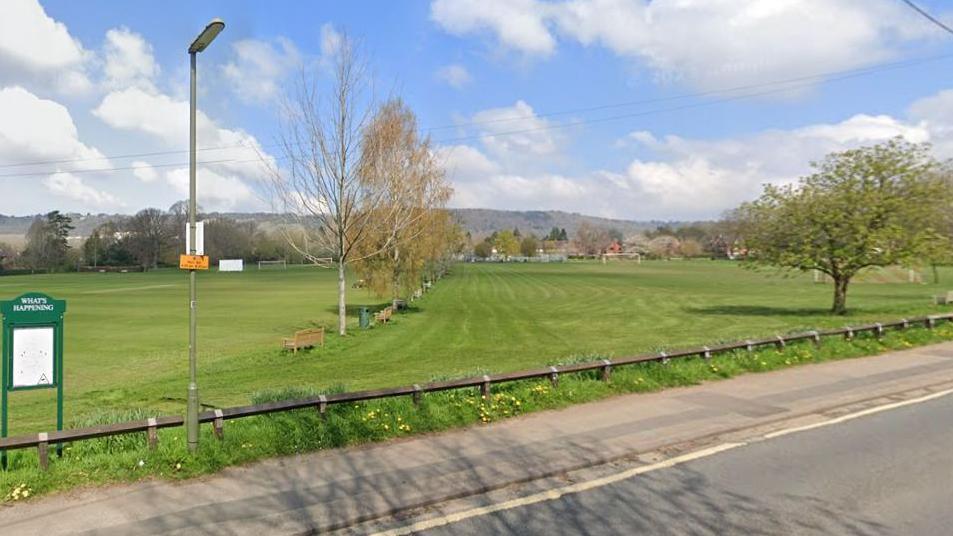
x=528, y=246
x=483, y=249
x=874, y=206
x=506, y=243
x=47, y=245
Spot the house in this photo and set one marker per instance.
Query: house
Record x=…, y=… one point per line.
x=614, y=247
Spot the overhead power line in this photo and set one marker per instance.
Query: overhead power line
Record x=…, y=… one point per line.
x=928, y=16
x=786, y=85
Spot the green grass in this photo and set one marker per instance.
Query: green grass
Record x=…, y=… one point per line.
x=126, y=334
x=127, y=458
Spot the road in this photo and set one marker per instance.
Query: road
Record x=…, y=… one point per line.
x=887, y=473
x=764, y=485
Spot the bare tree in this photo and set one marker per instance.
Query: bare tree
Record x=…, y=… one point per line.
x=149, y=236
x=319, y=183
x=591, y=239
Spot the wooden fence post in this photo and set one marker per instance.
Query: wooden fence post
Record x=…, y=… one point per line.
x=879, y=330
x=781, y=343
x=218, y=425
x=816, y=337
x=904, y=323
x=323, y=407
x=849, y=333
x=606, y=370
x=152, y=434
x=554, y=377
x=749, y=346
x=485, y=387
x=664, y=357
x=43, y=450
x=416, y=395
x=930, y=322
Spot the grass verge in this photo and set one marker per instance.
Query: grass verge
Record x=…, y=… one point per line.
x=128, y=459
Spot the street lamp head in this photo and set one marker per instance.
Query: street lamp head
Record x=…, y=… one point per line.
x=210, y=32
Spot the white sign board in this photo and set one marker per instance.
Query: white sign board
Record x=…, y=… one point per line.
x=231, y=265
x=32, y=356
x=199, y=238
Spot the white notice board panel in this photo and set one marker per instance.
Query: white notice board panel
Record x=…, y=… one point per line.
x=231, y=265
x=199, y=238
x=32, y=356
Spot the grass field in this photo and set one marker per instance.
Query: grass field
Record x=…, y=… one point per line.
x=126, y=338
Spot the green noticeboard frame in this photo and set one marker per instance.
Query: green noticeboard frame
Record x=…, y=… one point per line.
x=32, y=352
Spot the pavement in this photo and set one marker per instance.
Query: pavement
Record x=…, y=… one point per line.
x=387, y=485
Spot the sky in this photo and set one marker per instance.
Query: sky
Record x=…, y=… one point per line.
x=630, y=109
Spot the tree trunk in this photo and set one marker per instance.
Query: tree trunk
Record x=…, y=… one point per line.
x=396, y=280
x=840, y=295
x=936, y=274
x=342, y=306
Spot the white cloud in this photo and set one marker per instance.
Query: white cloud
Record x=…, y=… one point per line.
x=519, y=24
x=711, y=44
x=259, y=68
x=38, y=51
x=454, y=75
x=516, y=136
x=72, y=187
x=216, y=191
x=674, y=177
x=330, y=40
x=167, y=120
x=32, y=128
x=144, y=171
x=128, y=61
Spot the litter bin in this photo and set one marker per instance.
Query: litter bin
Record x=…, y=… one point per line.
x=365, y=318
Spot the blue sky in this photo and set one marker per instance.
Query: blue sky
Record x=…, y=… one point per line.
x=506, y=90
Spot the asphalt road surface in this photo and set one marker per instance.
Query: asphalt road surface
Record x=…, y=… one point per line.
x=887, y=473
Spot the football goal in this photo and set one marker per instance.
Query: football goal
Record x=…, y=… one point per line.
x=273, y=265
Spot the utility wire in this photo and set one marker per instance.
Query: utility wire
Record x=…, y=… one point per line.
x=928, y=16
x=786, y=85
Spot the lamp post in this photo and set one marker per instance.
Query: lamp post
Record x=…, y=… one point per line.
x=212, y=29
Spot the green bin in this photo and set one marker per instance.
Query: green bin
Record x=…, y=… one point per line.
x=365, y=318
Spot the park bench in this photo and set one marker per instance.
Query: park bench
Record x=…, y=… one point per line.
x=383, y=316
x=305, y=338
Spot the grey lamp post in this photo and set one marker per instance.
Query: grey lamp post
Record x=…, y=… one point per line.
x=192, y=410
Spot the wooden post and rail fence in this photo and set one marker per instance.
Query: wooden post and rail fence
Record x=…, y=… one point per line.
x=320, y=403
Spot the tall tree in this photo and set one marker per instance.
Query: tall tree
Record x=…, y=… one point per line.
x=149, y=236
x=506, y=243
x=8, y=255
x=528, y=246
x=319, y=183
x=872, y=206
x=591, y=239
x=47, y=244
x=399, y=169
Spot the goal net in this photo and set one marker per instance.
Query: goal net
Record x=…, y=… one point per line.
x=273, y=265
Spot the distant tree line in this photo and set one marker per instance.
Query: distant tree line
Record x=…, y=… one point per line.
x=149, y=239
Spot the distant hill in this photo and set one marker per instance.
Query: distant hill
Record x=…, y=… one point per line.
x=478, y=221
x=483, y=221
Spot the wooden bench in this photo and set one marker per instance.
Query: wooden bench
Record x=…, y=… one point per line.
x=383, y=316
x=305, y=338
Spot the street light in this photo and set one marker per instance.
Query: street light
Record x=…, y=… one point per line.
x=192, y=410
